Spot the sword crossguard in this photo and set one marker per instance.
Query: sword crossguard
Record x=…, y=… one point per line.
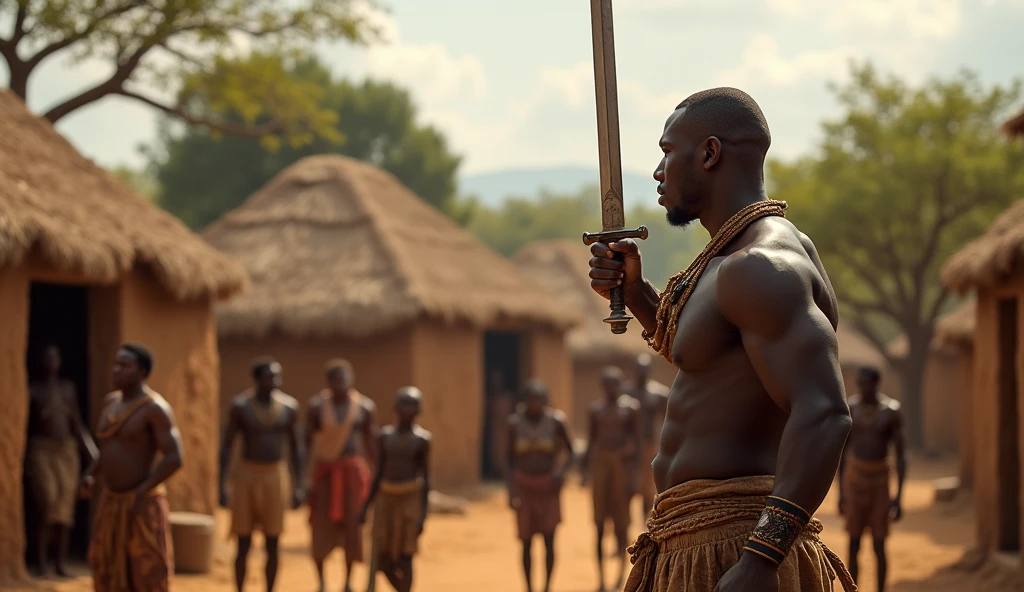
x=610, y=236
x=618, y=319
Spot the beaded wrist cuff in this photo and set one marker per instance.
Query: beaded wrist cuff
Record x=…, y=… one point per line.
x=780, y=524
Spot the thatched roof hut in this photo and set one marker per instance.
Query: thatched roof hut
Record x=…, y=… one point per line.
x=1014, y=127
x=991, y=267
x=347, y=261
x=956, y=328
x=993, y=258
x=561, y=267
x=86, y=264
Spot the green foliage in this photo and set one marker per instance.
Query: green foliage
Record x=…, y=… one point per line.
x=202, y=175
x=902, y=179
x=181, y=47
x=519, y=221
x=140, y=181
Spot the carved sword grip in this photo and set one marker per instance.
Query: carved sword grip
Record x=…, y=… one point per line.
x=618, y=319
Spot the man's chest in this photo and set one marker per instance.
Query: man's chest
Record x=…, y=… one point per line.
x=256, y=420
x=398, y=446
x=871, y=424
x=702, y=334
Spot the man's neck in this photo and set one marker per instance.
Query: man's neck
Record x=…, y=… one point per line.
x=405, y=427
x=869, y=399
x=133, y=392
x=264, y=396
x=720, y=209
x=340, y=396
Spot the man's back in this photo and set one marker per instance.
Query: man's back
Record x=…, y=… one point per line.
x=721, y=422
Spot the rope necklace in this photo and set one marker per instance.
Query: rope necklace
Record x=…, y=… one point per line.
x=682, y=284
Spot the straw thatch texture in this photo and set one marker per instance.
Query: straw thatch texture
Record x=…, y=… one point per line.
x=561, y=267
x=81, y=219
x=991, y=258
x=1015, y=126
x=339, y=247
x=957, y=327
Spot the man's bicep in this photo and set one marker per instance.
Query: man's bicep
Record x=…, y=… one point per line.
x=800, y=361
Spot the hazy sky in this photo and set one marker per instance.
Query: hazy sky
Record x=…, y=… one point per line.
x=510, y=83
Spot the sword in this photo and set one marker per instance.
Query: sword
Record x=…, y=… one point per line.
x=612, y=210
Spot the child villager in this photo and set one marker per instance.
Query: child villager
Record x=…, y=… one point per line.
x=400, y=487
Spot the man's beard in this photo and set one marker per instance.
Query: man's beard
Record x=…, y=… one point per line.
x=679, y=217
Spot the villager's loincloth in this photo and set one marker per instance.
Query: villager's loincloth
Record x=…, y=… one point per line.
x=610, y=482
x=697, y=531
x=866, y=496
x=259, y=498
x=397, y=518
x=53, y=470
x=339, y=491
x=131, y=552
x=647, y=488
x=540, y=504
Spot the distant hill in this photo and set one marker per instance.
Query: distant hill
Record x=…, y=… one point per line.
x=493, y=187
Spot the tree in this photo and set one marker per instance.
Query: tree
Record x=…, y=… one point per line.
x=203, y=174
x=140, y=181
x=902, y=179
x=172, y=45
x=519, y=221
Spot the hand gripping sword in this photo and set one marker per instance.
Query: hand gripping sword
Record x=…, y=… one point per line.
x=612, y=210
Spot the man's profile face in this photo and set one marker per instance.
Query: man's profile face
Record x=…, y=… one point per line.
x=270, y=378
x=536, y=400
x=678, y=187
x=127, y=371
x=51, y=360
x=339, y=380
x=867, y=384
x=612, y=385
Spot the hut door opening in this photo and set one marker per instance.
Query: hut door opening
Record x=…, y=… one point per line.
x=1009, y=430
x=501, y=371
x=58, y=315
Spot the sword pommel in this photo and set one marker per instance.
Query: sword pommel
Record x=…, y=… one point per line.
x=610, y=236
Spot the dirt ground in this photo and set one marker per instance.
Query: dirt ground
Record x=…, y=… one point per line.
x=479, y=551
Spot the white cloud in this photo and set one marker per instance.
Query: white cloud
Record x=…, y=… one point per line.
x=762, y=64
x=923, y=19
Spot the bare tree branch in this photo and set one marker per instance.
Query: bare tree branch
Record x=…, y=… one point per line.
x=89, y=29
x=97, y=92
x=238, y=129
x=871, y=281
x=180, y=54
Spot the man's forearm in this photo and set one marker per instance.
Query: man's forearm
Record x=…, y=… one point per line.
x=163, y=471
x=643, y=303
x=809, y=454
x=901, y=475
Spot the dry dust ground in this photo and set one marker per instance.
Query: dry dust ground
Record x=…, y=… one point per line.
x=479, y=551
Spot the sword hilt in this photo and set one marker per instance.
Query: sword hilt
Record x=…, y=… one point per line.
x=618, y=319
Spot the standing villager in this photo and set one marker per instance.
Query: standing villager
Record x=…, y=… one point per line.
x=56, y=432
x=537, y=438
x=611, y=461
x=652, y=397
x=131, y=550
x=400, y=487
x=757, y=416
x=341, y=435
x=864, y=472
x=267, y=419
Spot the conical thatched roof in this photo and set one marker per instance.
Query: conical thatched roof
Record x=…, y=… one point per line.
x=991, y=258
x=1015, y=126
x=58, y=205
x=561, y=267
x=339, y=247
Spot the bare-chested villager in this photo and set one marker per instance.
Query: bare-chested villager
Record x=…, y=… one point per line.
x=55, y=432
x=757, y=416
x=131, y=550
x=403, y=485
x=611, y=463
x=864, y=470
x=266, y=418
x=341, y=437
x=653, y=399
x=537, y=438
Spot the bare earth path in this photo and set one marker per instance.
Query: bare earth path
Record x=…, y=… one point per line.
x=479, y=552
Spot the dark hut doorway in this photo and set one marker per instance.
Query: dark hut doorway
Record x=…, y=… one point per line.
x=1008, y=438
x=501, y=388
x=58, y=315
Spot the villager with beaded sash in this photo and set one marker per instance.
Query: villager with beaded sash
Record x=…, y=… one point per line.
x=130, y=548
x=341, y=433
x=757, y=417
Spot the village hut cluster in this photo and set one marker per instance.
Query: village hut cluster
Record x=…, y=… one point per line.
x=86, y=264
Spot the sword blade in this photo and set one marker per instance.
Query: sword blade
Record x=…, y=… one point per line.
x=612, y=209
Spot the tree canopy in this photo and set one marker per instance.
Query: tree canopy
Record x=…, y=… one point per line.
x=902, y=179
x=203, y=174
x=170, y=48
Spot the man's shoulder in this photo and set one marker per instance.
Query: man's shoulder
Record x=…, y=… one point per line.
x=890, y=403
x=287, y=400
x=422, y=433
x=628, y=402
x=366, y=403
x=241, y=399
x=557, y=415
